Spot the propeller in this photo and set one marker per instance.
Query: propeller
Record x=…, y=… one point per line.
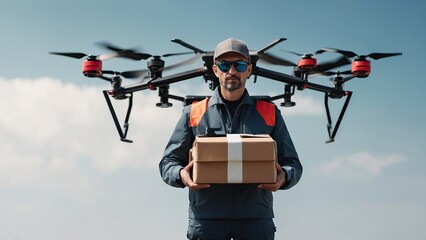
x=153, y=69
x=133, y=53
x=361, y=66
x=351, y=54
x=118, y=52
x=79, y=55
x=307, y=63
x=189, y=46
x=337, y=79
x=275, y=60
x=331, y=73
x=92, y=67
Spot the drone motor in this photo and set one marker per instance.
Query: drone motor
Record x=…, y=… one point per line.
x=307, y=62
x=92, y=67
x=361, y=67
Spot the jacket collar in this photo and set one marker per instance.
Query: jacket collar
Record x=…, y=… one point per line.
x=216, y=99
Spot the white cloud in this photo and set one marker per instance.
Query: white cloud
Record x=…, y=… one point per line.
x=305, y=105
x=362, y=162
x=49, y=127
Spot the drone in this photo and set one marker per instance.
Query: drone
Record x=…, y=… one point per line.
x=306, y=66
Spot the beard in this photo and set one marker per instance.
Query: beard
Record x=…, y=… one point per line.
x=232, y=83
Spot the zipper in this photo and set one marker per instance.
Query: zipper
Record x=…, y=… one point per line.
x=228, y=120
x=228, y=125
x=235, y=114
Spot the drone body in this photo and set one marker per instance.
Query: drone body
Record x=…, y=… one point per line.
x=306, y=66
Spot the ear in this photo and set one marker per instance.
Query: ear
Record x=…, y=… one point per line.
x=250, y=68
x=215, y=70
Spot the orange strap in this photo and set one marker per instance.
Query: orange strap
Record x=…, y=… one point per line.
x=197, y=111
x=267, y=111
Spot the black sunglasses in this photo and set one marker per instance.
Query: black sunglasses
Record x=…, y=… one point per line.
x=239, y=65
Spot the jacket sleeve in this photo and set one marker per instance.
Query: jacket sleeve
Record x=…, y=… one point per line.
x=287, y=155
x=176, y=153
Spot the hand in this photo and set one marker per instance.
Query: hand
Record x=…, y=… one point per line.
x=281, y=179
x=185, y=176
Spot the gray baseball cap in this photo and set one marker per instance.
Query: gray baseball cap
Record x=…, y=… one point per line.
x=231, y=45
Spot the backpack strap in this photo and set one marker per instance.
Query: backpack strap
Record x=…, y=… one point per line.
x=267, y=111
x=197, y=111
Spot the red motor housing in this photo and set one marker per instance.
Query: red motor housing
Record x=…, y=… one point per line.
x=361, y=68
x=307, y=62
x=92, y=67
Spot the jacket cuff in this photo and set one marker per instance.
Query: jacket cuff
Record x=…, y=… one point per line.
x=178, y=179
x=288, y=176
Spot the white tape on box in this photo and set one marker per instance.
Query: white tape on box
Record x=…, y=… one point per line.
x=235, y=158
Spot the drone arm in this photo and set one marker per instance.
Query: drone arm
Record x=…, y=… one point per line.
x=166, y=80
x=348, y=78
x=281, y=77
x=177, y=98
x=285, y=78
x=321, y=88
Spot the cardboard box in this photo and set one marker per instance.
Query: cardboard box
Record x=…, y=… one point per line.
x=234, y=158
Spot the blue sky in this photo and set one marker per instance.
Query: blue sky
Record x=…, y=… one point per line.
x=64, y=174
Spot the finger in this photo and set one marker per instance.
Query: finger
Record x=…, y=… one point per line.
x=268, y=186
x=278, y=167
x=196, y=187
x=189, y=166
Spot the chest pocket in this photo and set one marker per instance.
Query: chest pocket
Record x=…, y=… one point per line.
x=265, y=109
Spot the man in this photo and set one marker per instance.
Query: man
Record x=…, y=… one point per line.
x=225, y=211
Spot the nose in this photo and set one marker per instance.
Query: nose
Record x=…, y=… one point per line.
x=232, y=69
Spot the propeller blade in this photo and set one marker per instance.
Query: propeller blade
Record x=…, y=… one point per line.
x=332, y=64
x=271, y=59
x=331, y=73
x=263, y=50
x=104, y=78
x=376, y=56
x=134, y=74
x=327, y=73
x=176, y=54
x=114, y=48
x=135, y=55
x=294, y=53
x=348, y=78
x=187, y=45
x=346, y=72
x=348, y=54
x=184, y=62
x=125, y=53
x=70, y=54
x=142, y=74
x=107, y=56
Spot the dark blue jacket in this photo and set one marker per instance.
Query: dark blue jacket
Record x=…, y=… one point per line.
x=229, y=200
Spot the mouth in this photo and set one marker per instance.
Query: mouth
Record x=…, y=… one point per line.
x=232, y=78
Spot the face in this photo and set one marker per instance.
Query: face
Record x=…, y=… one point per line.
x=232, y=80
